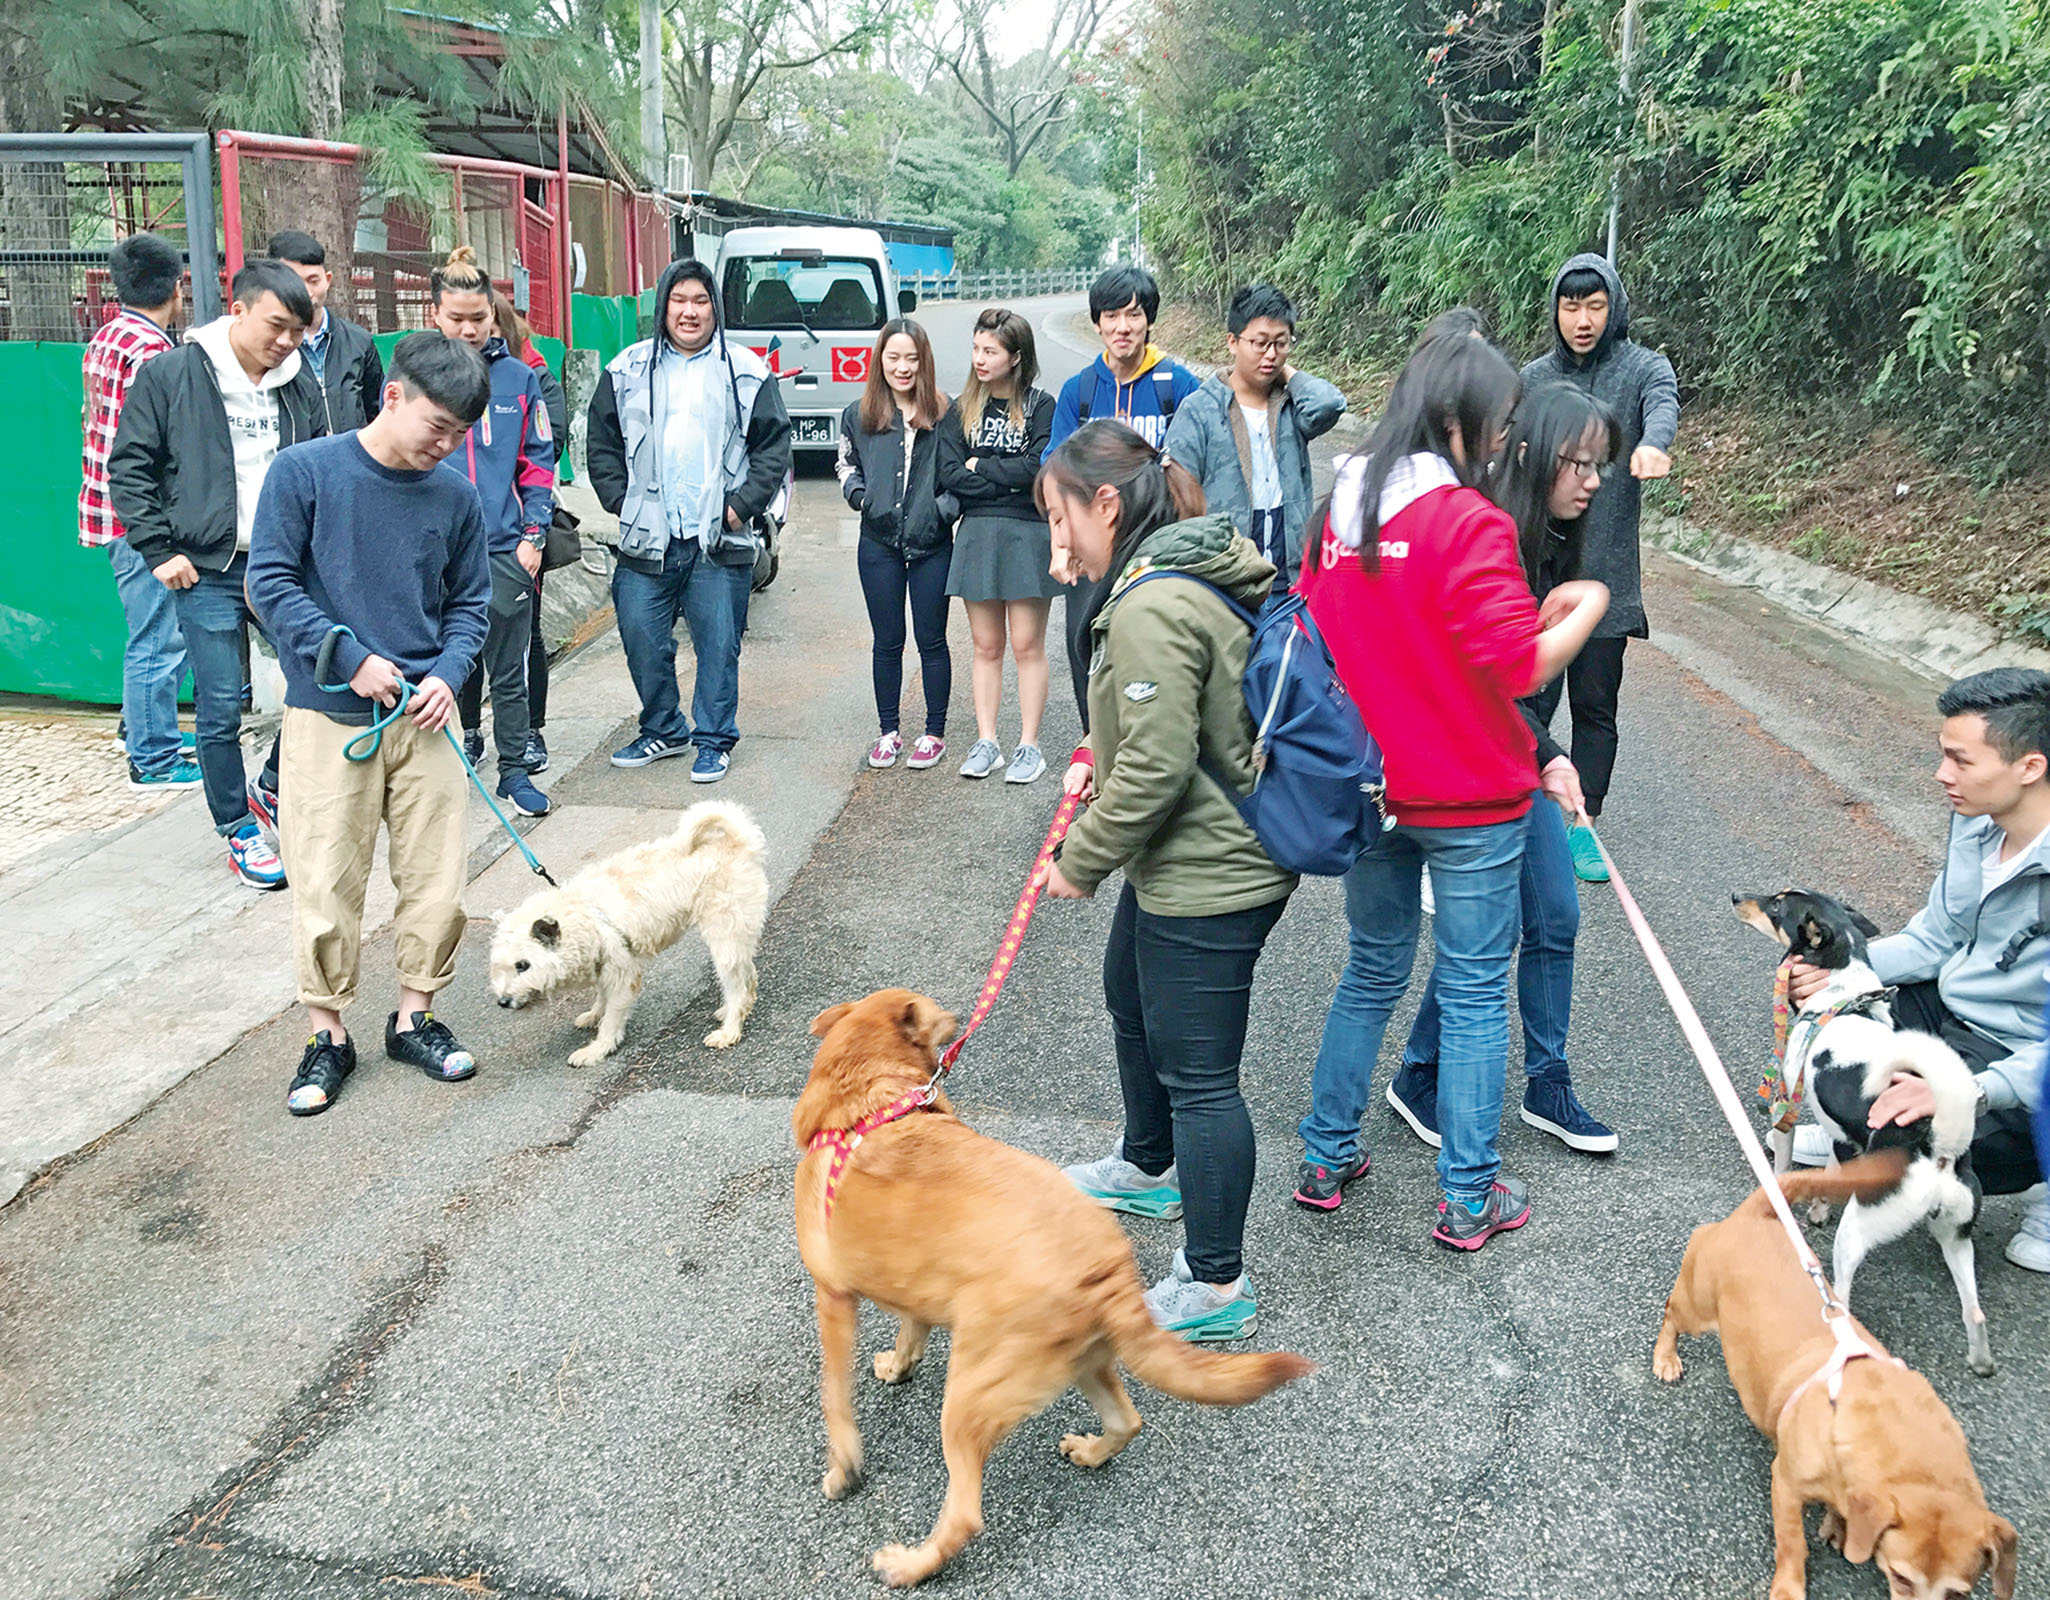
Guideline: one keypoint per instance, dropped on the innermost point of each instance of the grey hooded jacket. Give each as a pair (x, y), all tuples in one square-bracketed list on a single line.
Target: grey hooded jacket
[(1985, 952), (1208, 436), (1639, 386)]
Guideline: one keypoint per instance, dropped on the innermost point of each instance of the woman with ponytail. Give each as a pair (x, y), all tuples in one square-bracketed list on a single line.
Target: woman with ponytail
[(1169, 728)]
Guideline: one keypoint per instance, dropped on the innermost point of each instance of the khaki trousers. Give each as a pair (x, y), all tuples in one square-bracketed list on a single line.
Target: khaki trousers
[(331, 807)]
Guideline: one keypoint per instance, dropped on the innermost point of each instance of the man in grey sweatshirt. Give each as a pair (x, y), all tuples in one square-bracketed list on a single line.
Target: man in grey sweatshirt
[(1592, 347)]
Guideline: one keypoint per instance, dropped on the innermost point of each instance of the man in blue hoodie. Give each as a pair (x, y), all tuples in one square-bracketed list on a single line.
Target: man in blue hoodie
[(1132, 383), (1592, 347)]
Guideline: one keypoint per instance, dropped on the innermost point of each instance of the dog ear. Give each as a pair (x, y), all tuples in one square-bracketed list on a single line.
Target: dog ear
[(1863, 923), (2000, 1547), (1813, 934), (1868, 1516), (547, 932), (925, 1024), (828, 1019)]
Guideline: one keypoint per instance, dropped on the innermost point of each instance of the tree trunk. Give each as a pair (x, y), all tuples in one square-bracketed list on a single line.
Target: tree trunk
[(35, 207), (331, 191)]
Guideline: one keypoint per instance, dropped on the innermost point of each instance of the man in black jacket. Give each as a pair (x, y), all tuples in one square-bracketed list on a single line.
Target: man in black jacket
[(343, 357), (688, 444), (197, 437)]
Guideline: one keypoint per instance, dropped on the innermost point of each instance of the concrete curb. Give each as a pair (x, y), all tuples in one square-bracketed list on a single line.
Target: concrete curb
[(1915, 632)]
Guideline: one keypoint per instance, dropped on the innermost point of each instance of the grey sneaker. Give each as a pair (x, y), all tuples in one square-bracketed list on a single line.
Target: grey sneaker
[(1508, 1206), (1115, 1183), (1199, 1313), (2029, 1249), (983, 758), (1026, 764)]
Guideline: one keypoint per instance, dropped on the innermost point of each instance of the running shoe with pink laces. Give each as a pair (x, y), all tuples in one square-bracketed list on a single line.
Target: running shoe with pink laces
[(926, 752), (886, 750)]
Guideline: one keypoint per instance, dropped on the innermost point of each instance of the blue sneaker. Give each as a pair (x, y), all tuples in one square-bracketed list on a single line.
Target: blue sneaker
[(527, 800), (1588, 865), (1114, 1183), (710, 766), (253, 860), (1413, 1096), (1550, 1104), (648, 749), (1199, 1313), (180, 774)]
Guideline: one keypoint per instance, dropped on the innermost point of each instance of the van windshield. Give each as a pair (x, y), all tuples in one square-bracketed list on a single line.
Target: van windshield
[(840, 294)]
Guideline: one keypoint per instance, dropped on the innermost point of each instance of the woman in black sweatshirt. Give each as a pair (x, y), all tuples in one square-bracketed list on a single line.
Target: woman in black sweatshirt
[(888, 470), (990, 444)]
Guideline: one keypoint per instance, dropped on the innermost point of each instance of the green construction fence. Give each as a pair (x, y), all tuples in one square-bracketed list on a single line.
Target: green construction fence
[(61, 629)]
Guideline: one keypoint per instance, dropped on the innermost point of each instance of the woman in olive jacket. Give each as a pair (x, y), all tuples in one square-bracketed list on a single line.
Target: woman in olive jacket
[(887, 468), (1200, 895)]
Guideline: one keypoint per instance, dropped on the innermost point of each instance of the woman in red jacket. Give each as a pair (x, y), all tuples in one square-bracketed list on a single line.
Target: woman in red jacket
[(1420, 594)]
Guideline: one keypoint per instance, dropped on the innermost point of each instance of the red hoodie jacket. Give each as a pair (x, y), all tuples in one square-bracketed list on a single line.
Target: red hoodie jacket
[(1435, 647)]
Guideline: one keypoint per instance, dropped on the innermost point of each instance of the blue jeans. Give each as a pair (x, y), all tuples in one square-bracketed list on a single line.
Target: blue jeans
[(152, 664), (712, 600), (212, 615), (1544, 962), (1473, 875)]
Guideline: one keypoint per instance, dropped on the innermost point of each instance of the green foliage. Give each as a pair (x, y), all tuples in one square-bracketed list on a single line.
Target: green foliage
[(1838, 198)]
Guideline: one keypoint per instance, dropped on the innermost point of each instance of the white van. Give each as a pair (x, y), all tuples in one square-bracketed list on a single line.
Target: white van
[(810, 302)]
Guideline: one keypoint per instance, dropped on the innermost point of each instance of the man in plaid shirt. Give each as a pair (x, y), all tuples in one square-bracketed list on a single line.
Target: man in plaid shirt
[(148, 273)]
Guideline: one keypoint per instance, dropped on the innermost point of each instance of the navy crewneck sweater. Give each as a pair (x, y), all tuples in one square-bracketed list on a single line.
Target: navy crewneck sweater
[(396, 557)]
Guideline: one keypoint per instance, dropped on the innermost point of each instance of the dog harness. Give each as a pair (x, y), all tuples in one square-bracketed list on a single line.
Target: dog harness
[(1793, 1036), (843, 1142), (1849, 1348)]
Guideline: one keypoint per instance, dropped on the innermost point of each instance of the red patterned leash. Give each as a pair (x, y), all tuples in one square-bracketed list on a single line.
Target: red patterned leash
[(1014, 934)]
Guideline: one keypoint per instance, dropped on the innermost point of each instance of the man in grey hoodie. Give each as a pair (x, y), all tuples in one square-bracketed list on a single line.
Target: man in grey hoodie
[(1592, 347), (1969, 966)]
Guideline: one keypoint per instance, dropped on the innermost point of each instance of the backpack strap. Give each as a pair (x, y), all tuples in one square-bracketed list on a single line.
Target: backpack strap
[(1209, 768), (1163, 389), (1087, 403)]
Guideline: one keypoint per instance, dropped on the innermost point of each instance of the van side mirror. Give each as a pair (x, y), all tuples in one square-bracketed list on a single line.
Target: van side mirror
[(907, 301)]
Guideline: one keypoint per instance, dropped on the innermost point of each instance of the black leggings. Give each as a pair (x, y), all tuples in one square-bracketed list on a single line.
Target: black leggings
[(2003, 1145), (886, 578), (1593, 684), (1178, 989)]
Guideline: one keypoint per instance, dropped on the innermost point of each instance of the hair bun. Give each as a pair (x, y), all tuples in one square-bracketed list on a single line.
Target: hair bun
[(462, 256)]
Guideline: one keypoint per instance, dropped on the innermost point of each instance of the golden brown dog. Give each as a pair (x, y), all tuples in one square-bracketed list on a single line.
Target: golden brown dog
[(946, 1228), (1886, 1458)]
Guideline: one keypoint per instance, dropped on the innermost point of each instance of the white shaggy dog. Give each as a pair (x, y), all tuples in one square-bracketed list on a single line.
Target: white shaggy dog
[(604, 925)]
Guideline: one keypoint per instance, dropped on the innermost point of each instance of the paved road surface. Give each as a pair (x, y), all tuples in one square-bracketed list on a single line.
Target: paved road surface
[(546, 1335)]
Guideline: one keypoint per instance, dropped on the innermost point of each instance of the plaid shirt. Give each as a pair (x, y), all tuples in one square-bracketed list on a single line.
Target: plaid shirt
[(122, 344)]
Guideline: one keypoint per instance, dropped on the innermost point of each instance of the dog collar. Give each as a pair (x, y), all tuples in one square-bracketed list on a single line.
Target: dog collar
[(1849, 1347), (843, 1142)]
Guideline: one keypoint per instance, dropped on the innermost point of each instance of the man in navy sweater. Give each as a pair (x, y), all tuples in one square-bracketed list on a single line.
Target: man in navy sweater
[(361, 539)]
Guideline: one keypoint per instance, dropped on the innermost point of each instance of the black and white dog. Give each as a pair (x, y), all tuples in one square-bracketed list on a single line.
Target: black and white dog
[(1841, 1048)]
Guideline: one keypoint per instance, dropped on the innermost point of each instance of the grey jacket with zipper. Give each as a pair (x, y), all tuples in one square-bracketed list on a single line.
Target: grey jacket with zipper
[(1208, 436), (1639, 386), (1985, 952)]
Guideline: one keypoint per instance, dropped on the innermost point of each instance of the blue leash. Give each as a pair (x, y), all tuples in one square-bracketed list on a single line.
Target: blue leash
[(367, 743)]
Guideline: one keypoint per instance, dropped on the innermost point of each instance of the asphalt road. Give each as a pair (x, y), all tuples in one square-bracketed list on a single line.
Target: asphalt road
[(548, 1336)]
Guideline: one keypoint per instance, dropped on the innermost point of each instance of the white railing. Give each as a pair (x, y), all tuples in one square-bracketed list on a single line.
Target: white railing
[(1011, 283)]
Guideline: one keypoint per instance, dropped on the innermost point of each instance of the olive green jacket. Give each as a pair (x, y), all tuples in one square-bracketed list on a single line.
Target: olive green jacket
[(1163, 689)]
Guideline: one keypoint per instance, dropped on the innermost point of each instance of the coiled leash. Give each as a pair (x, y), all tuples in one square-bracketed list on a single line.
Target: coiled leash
[(367, 743), (843, 1142)]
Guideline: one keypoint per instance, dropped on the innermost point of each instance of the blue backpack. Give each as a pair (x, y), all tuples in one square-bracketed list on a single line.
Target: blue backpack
[(1317, 785)]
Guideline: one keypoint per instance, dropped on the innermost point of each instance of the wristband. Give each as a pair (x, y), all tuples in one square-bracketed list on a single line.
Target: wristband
[(1083, 756)]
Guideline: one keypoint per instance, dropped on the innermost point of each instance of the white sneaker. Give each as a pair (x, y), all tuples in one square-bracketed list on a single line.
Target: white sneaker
[(2029, 1249), (1812, 1146)]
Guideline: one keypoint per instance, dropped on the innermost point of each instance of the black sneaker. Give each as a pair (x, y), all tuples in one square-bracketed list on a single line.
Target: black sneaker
[(429, 1046), (1508, 1206), (473, 745), (1413, 1095), (319, 1078), (1550, 1104), (535, 758), (1321, 1188)]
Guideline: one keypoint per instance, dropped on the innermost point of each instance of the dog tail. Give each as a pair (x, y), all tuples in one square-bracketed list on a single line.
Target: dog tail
[(720, 816), (1869, 1178), (1175, 1367)]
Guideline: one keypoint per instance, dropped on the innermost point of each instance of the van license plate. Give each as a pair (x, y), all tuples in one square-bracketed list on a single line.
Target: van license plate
[(811, 430)]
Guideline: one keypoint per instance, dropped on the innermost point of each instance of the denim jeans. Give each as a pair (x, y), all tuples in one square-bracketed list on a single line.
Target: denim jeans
[(151, 666), (887, 579), (1177, 989), (1473, 876), (712, 600), (1544, 961), (212, 615)]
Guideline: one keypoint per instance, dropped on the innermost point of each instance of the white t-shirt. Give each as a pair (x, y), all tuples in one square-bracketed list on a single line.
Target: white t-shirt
[(1264, 492), (1993, 872)]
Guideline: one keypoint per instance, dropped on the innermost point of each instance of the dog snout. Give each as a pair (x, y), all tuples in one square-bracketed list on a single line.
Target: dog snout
[(505, 1000)]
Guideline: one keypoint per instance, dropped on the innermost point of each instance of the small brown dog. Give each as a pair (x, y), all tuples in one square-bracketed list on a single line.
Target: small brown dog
[(1885, 1457), (946, 1228)]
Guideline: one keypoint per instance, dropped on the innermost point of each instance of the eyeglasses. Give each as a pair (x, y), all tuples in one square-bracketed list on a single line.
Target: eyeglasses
[(1279, 345), (1581, 468)]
